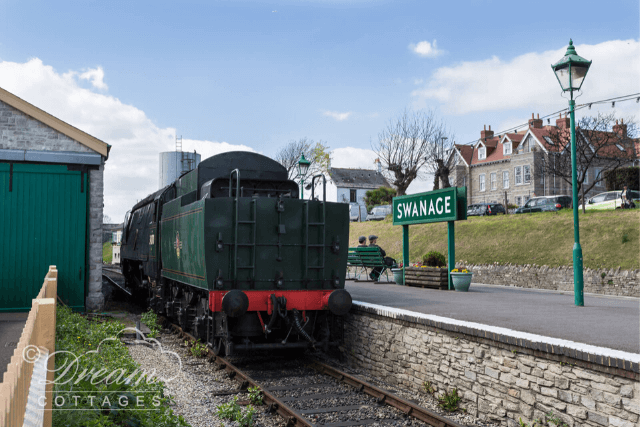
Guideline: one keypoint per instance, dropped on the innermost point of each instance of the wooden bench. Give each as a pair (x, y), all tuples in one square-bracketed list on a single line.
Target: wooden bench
[(354, 261), (366, 259)]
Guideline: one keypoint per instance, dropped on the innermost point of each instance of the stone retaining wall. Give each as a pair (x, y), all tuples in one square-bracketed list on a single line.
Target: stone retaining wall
[(501, 378), (602, 281)]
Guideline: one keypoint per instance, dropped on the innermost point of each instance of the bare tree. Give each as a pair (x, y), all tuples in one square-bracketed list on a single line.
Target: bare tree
[(600, 144), (437, 154), (106, 219), (407, 144), (315, 152)]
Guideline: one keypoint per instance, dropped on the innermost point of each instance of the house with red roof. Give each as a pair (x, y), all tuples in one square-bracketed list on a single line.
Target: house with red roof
[(513, 166)]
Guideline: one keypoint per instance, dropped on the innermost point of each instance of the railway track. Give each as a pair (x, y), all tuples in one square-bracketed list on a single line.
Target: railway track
[(318, 395), (119, 283)]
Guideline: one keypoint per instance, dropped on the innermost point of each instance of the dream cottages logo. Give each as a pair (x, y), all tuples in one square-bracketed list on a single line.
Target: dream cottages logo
[(116, 389)]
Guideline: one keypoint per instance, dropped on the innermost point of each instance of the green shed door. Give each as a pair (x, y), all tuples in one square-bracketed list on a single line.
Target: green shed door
[(43, 218)]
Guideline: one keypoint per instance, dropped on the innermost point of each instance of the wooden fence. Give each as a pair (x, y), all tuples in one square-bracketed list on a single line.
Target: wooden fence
[(22, 390)]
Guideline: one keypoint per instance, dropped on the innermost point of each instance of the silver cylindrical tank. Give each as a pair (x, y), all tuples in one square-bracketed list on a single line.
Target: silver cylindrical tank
[(175, 163)]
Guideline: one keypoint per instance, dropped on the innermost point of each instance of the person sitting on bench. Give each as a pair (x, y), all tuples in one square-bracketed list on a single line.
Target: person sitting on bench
[(375, 273), (363, 242)]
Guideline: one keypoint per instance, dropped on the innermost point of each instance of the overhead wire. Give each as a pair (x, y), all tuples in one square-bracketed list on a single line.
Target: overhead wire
[(578, 107)]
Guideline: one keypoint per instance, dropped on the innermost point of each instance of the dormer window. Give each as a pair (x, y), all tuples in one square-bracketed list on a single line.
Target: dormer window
[(506, 148), (482, 153)]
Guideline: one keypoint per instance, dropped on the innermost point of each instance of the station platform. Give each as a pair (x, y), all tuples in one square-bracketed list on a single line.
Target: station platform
[(11, 325), (604, 321)]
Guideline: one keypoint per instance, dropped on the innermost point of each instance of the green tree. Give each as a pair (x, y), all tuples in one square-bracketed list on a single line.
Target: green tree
[(380, 196)]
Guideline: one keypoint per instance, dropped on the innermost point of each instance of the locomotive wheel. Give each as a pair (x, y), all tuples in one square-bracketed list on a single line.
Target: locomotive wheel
[(218, 347)]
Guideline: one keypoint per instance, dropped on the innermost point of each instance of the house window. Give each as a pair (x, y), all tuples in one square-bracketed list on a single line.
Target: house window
[(506, 148), (481, 182), (586, 177), (518, 173), (505, 179), (597, 172), (518, 201), (526, 199), (494, 181), (352, 196), (482, 153), (527, 174), (464, 181)]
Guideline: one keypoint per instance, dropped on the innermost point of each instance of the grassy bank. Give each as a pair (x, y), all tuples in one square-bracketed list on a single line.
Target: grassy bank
[(609, 239), (105, 387), (107, 252)]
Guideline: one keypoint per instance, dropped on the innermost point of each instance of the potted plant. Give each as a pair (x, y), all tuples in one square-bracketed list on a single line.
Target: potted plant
[(461, 278), (398, 274)]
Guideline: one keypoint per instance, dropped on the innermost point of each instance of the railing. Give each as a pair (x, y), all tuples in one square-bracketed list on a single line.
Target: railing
[(22, 390)]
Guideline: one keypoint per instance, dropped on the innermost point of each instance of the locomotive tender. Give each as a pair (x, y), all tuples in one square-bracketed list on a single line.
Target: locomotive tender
[(232, 253)]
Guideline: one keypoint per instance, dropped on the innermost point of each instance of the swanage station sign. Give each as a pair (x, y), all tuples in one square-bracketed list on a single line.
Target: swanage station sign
[(448, 204)]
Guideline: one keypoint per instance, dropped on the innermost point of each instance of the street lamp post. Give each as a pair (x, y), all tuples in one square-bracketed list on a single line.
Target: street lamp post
[(303, 167), (570, 72)]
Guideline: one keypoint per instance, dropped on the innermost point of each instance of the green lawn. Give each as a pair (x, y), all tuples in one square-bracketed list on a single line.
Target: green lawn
[(609, 239), (107, 252)]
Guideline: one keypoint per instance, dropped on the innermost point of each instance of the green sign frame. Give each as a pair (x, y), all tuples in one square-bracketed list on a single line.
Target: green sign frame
[(447, 204)]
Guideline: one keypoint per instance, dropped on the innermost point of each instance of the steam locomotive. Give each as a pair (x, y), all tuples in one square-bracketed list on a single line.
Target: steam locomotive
[(232, 254)]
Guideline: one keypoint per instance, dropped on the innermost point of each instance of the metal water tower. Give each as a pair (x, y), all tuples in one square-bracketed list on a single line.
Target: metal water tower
[(175, 163)]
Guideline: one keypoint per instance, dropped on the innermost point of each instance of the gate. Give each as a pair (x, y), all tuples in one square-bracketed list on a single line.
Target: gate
[(43, 218)]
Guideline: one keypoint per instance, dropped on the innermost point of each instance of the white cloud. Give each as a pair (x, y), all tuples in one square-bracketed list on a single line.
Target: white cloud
[(426, 49), (336, 115), (96, 77), (131, 173), (527, 81)]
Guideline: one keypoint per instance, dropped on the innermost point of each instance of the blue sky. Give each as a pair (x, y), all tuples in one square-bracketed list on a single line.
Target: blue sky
[(260, 73)]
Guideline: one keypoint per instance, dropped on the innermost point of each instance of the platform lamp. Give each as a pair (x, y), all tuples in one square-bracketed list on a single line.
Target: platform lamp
[(570, 72), (303, 168)]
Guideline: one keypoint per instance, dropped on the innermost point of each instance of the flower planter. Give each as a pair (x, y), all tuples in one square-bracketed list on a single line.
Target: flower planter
[(461, 281), (398, 276), (426, 277)]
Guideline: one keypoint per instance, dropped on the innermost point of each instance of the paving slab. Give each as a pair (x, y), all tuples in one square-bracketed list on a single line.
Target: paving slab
[(611, 322), (11, 325)]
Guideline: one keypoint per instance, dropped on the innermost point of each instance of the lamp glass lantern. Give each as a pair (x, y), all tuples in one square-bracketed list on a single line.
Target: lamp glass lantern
[(303, 166), (571, 69)]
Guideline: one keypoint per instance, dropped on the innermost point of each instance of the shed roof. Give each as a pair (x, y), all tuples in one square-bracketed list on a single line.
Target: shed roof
[(65, 128), (358, 178)]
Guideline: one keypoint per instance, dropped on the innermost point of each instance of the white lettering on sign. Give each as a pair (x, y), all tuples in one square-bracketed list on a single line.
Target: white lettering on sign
[(407, 209), (447, 204), (423, 207), (438, 205), (399, 210), (415, 210), (431, 210), (419, 208)]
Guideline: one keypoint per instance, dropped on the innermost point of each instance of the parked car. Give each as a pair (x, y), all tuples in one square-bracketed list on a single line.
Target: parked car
[(611, 200), (545, 204), (482, 209), (379, 213)]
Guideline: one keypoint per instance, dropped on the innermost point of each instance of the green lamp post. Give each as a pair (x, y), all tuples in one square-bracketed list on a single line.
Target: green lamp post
[(303, 167), (570, 72)]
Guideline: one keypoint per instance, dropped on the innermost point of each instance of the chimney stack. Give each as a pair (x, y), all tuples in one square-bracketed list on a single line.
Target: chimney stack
[(379, 164), (485, 134), (620, 129), (535, 123), (563, 122)]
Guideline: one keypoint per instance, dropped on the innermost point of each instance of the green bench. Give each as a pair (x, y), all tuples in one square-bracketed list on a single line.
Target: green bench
[(366, 259)]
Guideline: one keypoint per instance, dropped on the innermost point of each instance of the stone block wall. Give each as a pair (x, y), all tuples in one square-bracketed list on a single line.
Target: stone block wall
[(499, 381), (601, 281), (19, 131)]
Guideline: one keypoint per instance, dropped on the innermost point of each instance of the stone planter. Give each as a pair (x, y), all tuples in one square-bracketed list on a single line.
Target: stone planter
[(398, 276), (427, 277), (461, 281)]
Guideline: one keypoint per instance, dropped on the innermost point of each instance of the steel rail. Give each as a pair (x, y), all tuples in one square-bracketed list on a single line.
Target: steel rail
[(274, 404), (113, 282), (383, 396), (294, 418)]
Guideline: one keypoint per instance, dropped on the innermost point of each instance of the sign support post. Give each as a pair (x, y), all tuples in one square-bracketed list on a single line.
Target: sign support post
[(405, 250), (451, 249)]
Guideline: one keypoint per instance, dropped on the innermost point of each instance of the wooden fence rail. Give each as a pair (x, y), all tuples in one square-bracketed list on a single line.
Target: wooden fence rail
[(21, 389)]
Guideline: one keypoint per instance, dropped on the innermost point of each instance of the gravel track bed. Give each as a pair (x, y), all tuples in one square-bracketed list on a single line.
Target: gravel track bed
[(194, 384)]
